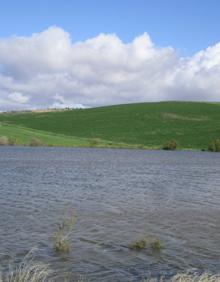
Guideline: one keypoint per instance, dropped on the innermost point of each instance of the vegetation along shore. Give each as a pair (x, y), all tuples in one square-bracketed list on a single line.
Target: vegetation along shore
[(163, 125)]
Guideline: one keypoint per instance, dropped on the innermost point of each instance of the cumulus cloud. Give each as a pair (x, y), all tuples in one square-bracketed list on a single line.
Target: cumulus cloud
[(48, 69)]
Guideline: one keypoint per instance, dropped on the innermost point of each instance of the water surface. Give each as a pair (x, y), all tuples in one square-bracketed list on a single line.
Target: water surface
[(119, 196)]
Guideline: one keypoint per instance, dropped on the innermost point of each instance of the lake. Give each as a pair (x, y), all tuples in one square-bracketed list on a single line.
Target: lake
[(119, 196)]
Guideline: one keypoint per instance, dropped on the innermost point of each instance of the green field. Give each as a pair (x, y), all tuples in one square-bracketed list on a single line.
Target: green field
[(193, 125)]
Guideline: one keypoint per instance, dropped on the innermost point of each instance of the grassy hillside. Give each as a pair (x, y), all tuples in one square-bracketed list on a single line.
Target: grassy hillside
[(23, 136), (192, 124)]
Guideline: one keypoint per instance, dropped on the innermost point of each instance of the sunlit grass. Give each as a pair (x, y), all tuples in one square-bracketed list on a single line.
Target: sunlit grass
[(192, 124), (19, 135)]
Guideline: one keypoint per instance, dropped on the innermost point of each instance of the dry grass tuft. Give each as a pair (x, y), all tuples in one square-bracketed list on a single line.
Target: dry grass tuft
[(28, 271), (196, 278), (32, 271), (205, 277)]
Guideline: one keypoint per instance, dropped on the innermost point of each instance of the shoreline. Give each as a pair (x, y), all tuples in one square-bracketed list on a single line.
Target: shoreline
[(132, 147)]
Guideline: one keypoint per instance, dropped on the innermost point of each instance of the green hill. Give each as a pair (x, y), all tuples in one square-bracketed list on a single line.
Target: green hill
[(193, 125)]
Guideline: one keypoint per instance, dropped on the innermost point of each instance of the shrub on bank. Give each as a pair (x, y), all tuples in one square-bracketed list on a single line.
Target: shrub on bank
[(35, 142), (93, 143), (170, 145), (3, 140), (214, 146), (12, 141)]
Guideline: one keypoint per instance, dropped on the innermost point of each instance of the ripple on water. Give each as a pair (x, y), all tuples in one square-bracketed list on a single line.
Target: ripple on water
[(119, 196)]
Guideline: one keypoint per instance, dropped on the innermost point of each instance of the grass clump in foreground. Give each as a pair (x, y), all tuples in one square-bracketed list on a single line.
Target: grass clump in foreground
[(170, 145), (185, 277), (214, 146), (28, 271), (61, 238), (154, 244)]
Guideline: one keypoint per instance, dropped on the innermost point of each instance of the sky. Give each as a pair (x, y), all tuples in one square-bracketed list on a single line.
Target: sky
[(92, 52)]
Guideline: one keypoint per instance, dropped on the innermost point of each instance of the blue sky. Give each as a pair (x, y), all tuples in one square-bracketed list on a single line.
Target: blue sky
[(187, 25), (101, 52)]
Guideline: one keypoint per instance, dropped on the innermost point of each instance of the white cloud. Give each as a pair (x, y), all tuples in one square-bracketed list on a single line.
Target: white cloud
[(47, 69), (18, 98)]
